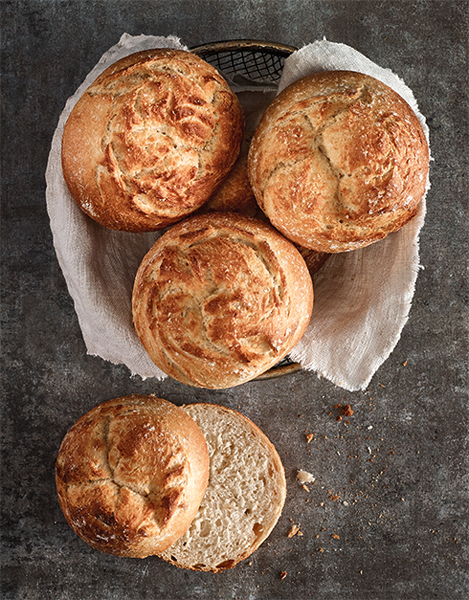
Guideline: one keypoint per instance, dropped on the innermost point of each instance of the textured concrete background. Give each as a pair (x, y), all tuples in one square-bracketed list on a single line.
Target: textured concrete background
[(387, 517)]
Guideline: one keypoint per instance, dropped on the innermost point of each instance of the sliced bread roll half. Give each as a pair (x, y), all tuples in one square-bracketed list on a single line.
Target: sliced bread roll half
[(244, 498)]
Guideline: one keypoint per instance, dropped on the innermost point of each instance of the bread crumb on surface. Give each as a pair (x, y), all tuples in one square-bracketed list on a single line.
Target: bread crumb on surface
[(283, 574), (294, 530), (304, 476), (309, 437), (343, 410)]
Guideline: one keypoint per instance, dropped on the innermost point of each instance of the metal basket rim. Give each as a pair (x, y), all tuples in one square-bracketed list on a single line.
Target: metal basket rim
[(250, 45)]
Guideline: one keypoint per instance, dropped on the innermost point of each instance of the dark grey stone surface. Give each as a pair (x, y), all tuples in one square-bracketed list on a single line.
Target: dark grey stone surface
[(392, 484)]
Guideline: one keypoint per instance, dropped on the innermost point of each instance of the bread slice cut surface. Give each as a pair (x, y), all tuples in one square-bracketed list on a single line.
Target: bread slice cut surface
[(244, 497)]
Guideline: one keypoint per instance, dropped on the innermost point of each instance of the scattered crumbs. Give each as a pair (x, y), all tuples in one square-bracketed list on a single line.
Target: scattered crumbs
[(294, 530), (309, 437), (283, 574), (344, 410), (404, 363), (305, 487), (381, 385), (345, 503), (335, 536), (320, 549), (304, 476), (370, 427)]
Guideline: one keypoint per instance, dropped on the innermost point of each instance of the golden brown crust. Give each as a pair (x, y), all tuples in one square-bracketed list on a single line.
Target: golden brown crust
[(235, 194), (338, 161), (220, 298), (131, 474), (314, 260), (150, 139)]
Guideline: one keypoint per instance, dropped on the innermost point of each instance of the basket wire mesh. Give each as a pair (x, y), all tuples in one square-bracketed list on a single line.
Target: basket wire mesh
[(260, 62)]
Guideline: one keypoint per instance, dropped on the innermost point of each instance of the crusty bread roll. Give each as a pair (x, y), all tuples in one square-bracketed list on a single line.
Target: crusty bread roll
[(244, 497), (235, 194), (150, 139), (221, 298), (131, 474), (314, 260), (339, 160)]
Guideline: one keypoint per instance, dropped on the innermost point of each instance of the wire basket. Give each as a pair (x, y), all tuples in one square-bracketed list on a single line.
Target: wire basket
[(259, 63)]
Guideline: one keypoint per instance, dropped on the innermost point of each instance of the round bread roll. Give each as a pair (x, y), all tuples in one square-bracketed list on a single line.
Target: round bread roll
[(131, 474), (221, 298), (235, 194), (150, 140), (244, 498), (338, 161)]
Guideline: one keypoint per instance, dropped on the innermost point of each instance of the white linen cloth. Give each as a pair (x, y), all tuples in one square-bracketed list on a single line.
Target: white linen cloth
[(362, 298)]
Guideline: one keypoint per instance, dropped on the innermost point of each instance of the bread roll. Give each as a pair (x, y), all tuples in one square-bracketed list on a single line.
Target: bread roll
[(235, 194), (221, 298), (314, 260), (338, 161), (131, 474), (244, 498), (150, 140)]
